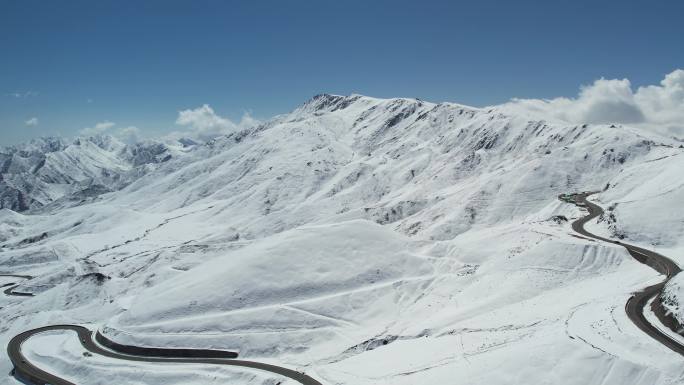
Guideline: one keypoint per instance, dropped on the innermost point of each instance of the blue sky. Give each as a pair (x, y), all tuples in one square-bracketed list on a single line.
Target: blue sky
[(73, 64)]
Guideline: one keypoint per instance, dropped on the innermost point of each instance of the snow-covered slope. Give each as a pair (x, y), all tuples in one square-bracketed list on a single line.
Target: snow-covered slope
[(369, 241)]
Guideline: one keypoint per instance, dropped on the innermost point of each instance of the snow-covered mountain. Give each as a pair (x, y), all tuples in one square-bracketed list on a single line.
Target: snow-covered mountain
[(363, 240), (35, 174)]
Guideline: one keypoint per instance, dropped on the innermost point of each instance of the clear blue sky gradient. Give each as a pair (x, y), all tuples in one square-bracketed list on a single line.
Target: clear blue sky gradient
[(139, 62)]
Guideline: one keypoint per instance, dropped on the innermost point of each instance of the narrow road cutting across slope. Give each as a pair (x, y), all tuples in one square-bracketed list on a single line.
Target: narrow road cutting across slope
[(11, 286), (637, 302), (27, 372)]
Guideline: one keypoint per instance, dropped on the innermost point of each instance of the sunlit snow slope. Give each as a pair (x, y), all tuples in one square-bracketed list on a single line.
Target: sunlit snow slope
[(365, 241)]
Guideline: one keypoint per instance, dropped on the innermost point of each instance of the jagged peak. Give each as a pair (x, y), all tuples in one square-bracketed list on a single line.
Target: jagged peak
[(328, 102), (40, 144), (103, 141)]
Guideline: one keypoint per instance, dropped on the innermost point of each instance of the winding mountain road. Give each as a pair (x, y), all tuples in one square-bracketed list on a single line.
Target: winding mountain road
[(27, 372), (637, 302), (11, 286), (96, 343)]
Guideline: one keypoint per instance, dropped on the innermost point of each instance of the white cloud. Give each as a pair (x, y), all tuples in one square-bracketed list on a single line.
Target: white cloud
[(660, 107), (97, 129), (205, 124), (128, 135), (22, 95), (31, 122), (664, 104)]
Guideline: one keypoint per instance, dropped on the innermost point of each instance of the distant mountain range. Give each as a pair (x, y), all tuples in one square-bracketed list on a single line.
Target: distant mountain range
[(50, 169)]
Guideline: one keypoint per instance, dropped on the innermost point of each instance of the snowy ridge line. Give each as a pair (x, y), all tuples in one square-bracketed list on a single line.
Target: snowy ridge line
[(29, 373), (636, 304)]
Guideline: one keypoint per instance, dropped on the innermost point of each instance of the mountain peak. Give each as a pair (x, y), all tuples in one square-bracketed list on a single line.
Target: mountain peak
[(328, 102)]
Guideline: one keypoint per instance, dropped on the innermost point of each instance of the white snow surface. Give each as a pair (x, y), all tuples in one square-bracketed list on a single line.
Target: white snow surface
[(364, 241)]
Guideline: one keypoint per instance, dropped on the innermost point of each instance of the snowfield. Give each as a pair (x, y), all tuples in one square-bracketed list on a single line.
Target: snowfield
[(363, 241)]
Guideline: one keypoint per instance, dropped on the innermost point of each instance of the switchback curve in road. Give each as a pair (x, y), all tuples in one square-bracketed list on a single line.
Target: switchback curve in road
[(11, 286), (637, 302), (27, 372)]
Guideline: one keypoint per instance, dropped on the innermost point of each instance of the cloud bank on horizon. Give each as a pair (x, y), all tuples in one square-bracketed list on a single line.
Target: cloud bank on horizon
[(201, 123), (128, 135), (658, 107)]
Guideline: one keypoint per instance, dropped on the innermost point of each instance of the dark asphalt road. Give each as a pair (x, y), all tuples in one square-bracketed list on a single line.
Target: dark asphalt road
[(26, 371), (12, 286), (637, 302)]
